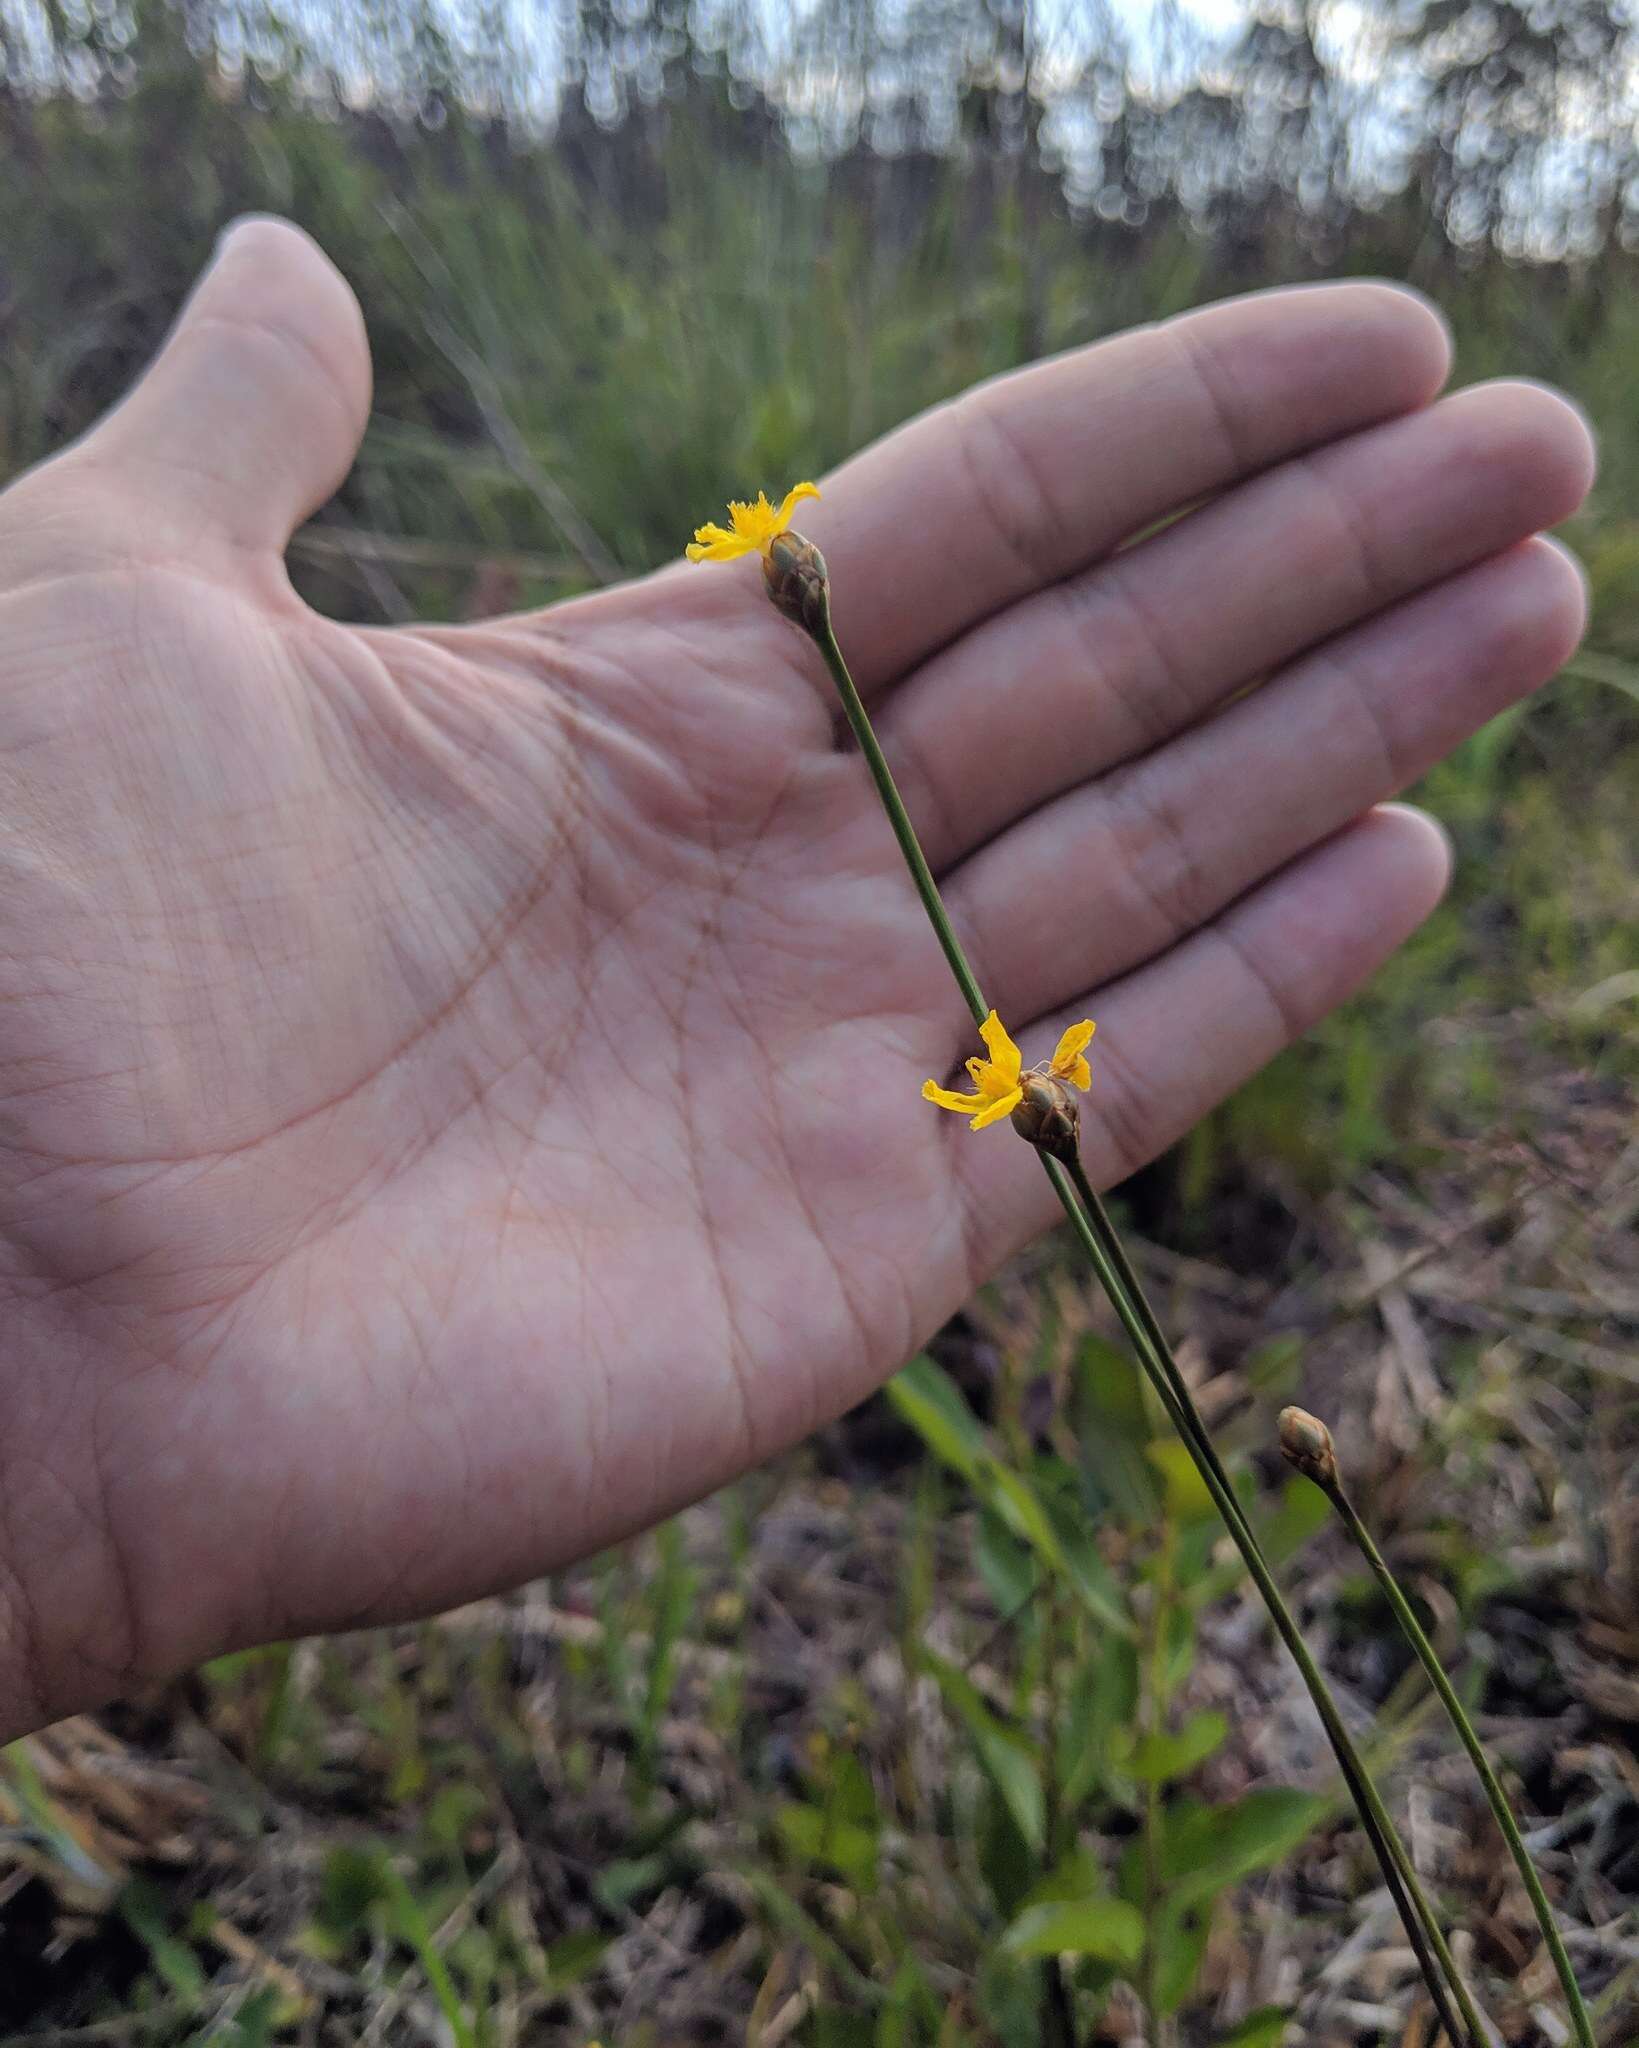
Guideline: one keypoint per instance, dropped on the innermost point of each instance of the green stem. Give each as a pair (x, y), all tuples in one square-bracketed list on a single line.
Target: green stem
[(1417, 1916), (1155, 1357), (1198, 1440), (903, 830), (1412, 1628)]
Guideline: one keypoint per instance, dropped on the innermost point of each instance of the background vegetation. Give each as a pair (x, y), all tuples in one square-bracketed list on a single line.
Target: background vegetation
[(868, 1749)]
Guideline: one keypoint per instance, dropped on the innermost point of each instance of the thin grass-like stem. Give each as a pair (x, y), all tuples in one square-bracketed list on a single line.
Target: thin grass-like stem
[(1155, 1357), (899, 818), (1423, 1931), (1161, 1366), (1413, 1631)]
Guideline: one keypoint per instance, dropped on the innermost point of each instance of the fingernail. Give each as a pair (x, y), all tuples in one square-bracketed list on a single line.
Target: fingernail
[(232, 227)]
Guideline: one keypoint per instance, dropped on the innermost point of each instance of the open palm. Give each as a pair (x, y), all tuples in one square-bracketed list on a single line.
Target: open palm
[(459, 1088)]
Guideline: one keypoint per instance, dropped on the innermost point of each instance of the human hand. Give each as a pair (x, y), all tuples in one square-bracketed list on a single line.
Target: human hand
[(460, 1087)]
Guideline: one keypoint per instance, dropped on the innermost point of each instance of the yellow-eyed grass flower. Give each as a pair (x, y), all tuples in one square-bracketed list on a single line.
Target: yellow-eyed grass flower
[(752, 529), (793, 568), (1039, 1102)]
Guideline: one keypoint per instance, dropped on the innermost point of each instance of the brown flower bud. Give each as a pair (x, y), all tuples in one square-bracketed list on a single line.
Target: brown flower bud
[(1306, 1444), (794, 571), (1049, 1117)]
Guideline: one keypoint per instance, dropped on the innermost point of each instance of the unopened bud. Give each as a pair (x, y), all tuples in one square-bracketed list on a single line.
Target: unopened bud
[(1306, 1444), (1049, 1117), (794, 571)]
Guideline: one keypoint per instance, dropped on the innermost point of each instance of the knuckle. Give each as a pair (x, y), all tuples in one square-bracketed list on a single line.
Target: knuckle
[(1157, 852)]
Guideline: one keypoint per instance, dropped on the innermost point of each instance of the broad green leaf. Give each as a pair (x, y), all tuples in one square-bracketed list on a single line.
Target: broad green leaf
[(1078, 1876), (627, 1878), (352, 1882), (1157, 1758), (1205, 1849), (1102, 1706), (252, 2026), (1019, 1505), (834, 2026), (823, 1839), (932, 1404), (1604, 668), (1180, 1937), (1006, 1564), (1265, 2028), (143, 1907), (1008, 1756), (930, 1401), (1303, 1511), (1271, 1368), (1086, 1570), (95, 1883), (1007, 1863), (1009, 1998), (1186, 1492), (1107, 1928), (912, 2004), (1178, 1642), (574, 1956), (1606, 994), (849, 1793), (1113, 1428)]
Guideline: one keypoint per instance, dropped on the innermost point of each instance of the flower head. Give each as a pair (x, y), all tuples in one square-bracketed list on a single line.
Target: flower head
[(752, 529), (1001, 1086)]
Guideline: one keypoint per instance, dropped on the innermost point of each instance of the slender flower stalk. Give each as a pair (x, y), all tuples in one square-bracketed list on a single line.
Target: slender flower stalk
[(1384, 1837), (1423, 1931), (795, 575), (1307, 1444), (853, 709)]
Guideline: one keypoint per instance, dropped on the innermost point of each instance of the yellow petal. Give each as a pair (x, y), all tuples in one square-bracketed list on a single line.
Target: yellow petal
[(963, 1104), (990, 1080), (1068, 1063), (716, 544), (791, 500), (997, 1110), (1005, 1056)]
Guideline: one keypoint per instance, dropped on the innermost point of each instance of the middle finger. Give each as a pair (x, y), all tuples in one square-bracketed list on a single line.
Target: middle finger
[(1108, 665)]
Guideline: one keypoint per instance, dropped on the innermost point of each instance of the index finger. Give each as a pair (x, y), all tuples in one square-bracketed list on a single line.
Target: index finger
[(1041, 472)]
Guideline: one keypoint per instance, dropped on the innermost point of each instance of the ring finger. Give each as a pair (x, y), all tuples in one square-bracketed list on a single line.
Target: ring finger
[(1111, 664)]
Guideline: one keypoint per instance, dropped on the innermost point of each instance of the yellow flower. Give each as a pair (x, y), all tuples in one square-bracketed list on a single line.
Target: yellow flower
[(755, 528), (999, 1080)]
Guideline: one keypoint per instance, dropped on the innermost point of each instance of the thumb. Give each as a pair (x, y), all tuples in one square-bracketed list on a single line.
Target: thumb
[(252, 412)]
